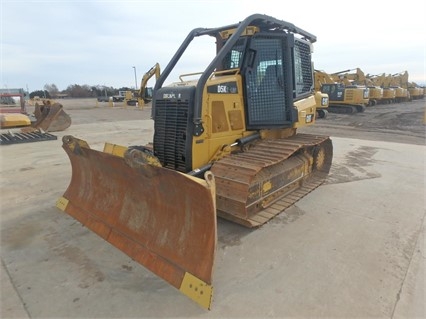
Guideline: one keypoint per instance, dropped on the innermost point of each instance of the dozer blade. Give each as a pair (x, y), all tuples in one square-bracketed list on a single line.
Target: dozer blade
[(163, 219), (51, 118)]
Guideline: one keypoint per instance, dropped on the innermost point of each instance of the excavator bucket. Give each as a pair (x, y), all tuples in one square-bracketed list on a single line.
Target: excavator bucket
[(161, 218), (51, 118)]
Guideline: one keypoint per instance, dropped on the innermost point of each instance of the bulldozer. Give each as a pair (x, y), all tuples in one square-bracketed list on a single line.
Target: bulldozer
[(224, 145), (343, 98)]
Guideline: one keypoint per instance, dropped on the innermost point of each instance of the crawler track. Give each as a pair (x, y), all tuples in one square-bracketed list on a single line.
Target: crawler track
[(254, 186)]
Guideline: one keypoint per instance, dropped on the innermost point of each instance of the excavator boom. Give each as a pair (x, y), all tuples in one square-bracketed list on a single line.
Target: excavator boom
[(155, 70)]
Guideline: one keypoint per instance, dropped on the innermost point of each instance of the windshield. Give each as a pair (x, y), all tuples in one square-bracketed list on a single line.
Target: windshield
[(234, 58)]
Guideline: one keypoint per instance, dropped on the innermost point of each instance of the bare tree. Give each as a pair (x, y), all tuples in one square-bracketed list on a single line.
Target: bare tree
[(52, 89)]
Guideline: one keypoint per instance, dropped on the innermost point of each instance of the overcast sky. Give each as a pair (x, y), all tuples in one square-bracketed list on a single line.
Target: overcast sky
[(98, 42)]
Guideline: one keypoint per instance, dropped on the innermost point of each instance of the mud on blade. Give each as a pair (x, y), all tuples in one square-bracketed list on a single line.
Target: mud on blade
[(161, 218)]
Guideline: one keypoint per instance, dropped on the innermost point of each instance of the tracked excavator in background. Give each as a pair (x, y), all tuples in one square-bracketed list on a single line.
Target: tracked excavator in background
[(357, 77), (144, 95), (415, 92), (381, 80), (401, 94), (388, 81), (342, 98), (224, 145)]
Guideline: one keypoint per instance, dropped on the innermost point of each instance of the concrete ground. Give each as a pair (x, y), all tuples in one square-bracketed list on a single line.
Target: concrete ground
[(354, 247)]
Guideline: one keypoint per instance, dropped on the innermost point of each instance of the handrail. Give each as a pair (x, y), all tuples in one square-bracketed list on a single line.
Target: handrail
[(264, 22)]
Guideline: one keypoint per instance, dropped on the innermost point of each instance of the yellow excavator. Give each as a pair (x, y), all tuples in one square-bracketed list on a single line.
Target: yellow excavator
[(342, 98), (415, 92), (382, 81), (144, 95), (389, 81), (223, 145), (357, 77)]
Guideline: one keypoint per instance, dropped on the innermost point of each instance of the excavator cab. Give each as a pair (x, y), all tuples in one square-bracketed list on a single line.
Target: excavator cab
[(224, 144), (335, 91)]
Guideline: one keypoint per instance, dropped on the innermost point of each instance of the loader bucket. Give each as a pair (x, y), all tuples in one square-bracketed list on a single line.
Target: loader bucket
[(51, 118), (163, 219)]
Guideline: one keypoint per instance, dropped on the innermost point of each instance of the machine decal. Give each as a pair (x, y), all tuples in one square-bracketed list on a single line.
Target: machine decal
[(223, 88), (171, 96)]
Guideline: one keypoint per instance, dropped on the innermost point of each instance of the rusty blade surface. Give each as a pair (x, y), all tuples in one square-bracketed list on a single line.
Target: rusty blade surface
[(51, 118), (161, 218)]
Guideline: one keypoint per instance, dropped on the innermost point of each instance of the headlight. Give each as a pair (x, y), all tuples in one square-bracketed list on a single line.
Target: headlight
[(309, 118), (324, 101), (366, 93)]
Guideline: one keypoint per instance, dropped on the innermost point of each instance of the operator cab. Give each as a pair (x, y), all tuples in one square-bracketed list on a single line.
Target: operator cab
[(336, 91), (276, 70)]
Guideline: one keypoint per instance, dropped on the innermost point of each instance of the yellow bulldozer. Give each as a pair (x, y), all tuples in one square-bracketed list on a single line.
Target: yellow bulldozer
[(223, 145)]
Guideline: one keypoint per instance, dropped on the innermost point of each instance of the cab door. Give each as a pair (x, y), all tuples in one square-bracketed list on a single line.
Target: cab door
[(265, 84)]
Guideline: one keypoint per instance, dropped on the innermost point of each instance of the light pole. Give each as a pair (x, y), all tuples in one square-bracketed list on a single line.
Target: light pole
[(136, 80)]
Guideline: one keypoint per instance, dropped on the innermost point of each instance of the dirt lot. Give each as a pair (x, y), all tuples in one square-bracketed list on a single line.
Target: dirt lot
[(354, 247), (399, 122)]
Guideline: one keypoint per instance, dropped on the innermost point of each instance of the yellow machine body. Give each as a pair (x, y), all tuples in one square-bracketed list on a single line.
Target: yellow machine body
[(225, 144), (10, 120), (344, 97)]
